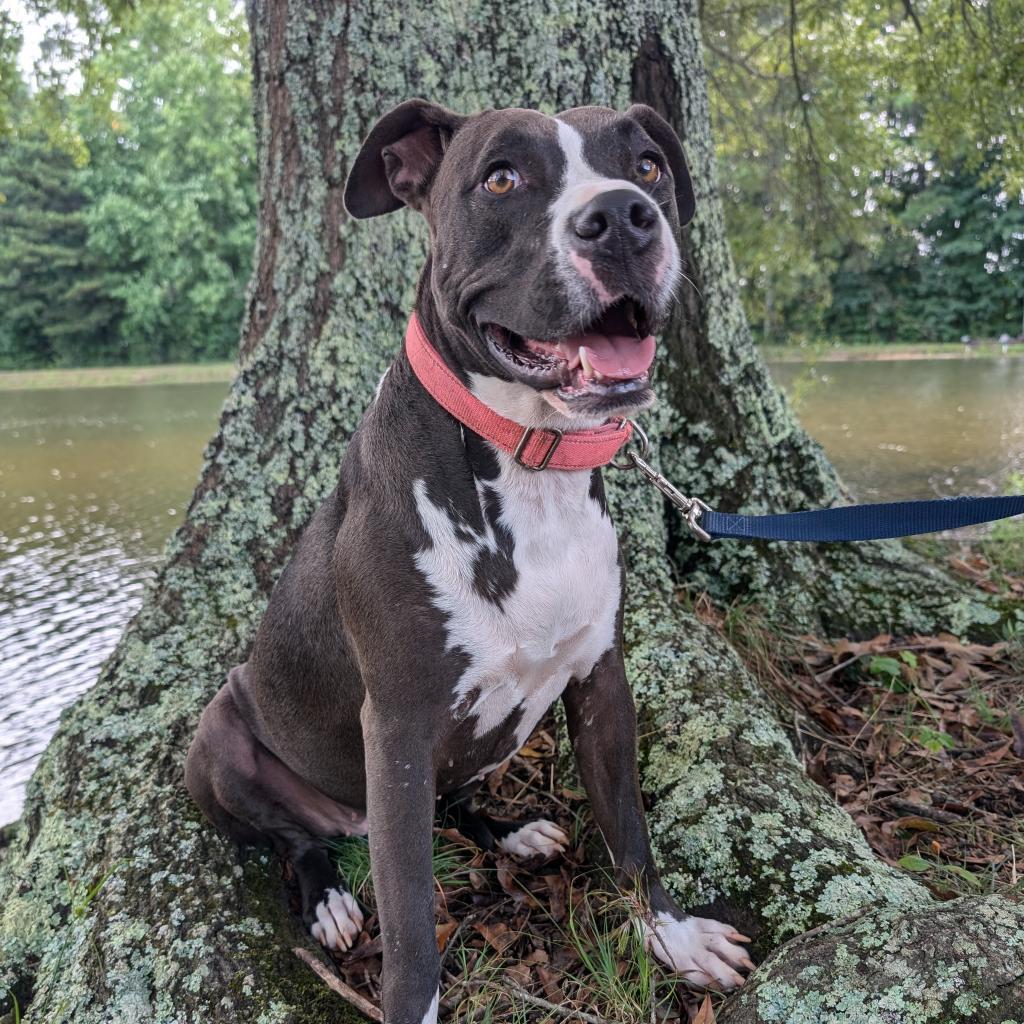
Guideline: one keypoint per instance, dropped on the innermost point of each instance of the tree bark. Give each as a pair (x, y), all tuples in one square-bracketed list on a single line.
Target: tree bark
[(120, 904)]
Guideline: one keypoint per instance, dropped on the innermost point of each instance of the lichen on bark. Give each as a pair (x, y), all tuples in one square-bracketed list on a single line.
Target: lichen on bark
[(960, 962), (181, 928)]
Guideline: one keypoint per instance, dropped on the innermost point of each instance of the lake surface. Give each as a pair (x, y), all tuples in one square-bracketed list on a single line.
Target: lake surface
[(915, 428), (93, 481)]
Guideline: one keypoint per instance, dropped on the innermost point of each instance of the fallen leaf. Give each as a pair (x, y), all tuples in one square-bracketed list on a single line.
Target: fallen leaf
[(549, 982), (500, 936), (706, 1013), (444, 932), (914, 823), (518, 973), (556, 896), (992, 757)]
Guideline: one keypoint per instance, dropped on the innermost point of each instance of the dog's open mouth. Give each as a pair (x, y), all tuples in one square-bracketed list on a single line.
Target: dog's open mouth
[(611, 356)]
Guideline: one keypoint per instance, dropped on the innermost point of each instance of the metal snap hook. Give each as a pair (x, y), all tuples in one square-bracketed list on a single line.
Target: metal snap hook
[(691, 508), (631, 453)]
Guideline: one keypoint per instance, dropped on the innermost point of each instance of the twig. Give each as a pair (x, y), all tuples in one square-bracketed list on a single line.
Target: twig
[(562, 1011), (836, 923), (350, 995), (1018, 733), (921, 811), (912, 14), (454, 937), (828, 673)]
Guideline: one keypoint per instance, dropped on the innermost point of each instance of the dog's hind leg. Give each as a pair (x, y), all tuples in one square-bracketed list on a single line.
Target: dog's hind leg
[(537, 837), (252, 796)]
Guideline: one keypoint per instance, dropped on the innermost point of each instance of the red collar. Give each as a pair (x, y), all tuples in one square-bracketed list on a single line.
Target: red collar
[(532, 447)]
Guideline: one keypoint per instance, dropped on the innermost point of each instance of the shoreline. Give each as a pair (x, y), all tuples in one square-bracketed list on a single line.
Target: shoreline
[(884, 353), (117, 376), (224, 372)]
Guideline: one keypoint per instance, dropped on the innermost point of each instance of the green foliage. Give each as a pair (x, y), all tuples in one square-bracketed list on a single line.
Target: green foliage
[(55, 304), (944, 875), (933, 740), (154, 160), (872, 164), (351, 855), (11, 86), (172, 180), (949, 261)]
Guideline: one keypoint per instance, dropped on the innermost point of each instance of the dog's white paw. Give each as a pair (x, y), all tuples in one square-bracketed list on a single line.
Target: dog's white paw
[(706, 953), (535, 839), (338, 920)]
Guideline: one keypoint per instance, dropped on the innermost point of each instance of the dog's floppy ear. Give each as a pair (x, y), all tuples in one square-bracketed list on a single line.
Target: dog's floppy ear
[(397, 162), (661, 132)]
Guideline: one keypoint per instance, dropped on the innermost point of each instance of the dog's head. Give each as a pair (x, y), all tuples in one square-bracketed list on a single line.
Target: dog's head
[(554, 257)]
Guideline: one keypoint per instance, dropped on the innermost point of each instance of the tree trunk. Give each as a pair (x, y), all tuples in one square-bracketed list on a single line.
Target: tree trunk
[(120, 904)]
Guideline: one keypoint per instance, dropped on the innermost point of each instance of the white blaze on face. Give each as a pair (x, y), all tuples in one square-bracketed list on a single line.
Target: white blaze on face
[(580, 184)]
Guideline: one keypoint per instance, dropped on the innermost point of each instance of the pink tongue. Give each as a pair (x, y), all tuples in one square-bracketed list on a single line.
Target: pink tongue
[(617, 356)]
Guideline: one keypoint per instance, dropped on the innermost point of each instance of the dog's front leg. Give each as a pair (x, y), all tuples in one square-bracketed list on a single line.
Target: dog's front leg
[(602, 727), (400, 787)]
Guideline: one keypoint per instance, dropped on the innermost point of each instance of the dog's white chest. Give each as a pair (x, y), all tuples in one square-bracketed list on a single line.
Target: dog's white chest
[(540, 625)]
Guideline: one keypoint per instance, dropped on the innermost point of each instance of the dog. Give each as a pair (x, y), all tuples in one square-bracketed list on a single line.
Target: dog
[(465, 573)]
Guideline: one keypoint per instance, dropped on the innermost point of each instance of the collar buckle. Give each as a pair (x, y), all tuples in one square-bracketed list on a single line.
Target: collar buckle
[(556, 440)]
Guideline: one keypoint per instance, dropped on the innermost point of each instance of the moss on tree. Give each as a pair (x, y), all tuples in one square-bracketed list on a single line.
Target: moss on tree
[(182, 929)]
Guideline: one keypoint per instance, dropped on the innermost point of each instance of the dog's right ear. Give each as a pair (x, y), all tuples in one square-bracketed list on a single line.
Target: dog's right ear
[(399, 158)]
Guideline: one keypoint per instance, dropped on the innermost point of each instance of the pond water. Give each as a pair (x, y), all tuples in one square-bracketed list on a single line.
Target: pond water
[(915, 428), (93, 481)]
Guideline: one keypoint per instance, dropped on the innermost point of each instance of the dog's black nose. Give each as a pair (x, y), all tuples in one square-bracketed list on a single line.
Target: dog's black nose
[(618, 213)]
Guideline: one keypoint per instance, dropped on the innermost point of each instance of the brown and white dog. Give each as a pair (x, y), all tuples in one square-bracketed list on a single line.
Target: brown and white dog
[(446, 594)]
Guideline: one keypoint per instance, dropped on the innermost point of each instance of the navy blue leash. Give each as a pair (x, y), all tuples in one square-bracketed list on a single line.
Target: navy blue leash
[(864, 522), (846, 523)]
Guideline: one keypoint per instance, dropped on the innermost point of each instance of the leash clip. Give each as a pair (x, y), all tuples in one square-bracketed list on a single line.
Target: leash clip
[(691, 508)]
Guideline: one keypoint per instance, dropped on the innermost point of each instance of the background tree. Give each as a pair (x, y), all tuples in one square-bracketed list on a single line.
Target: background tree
[(10, 78), (56, 303), (948, 234), (172, 178), (824, 114), (156, 153), (119, 903)]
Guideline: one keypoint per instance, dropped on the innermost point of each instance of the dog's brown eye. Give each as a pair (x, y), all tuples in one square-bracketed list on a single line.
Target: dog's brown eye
[(648, 169), (502, 180)]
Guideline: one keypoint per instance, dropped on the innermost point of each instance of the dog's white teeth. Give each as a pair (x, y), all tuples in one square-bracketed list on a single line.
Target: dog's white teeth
[(588, 370)]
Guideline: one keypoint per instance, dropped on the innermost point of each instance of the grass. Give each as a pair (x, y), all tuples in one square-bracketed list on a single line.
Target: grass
[(837, 352), (352, 856), (117, 376), (1003, 546), (594, 963), (536, 943)]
